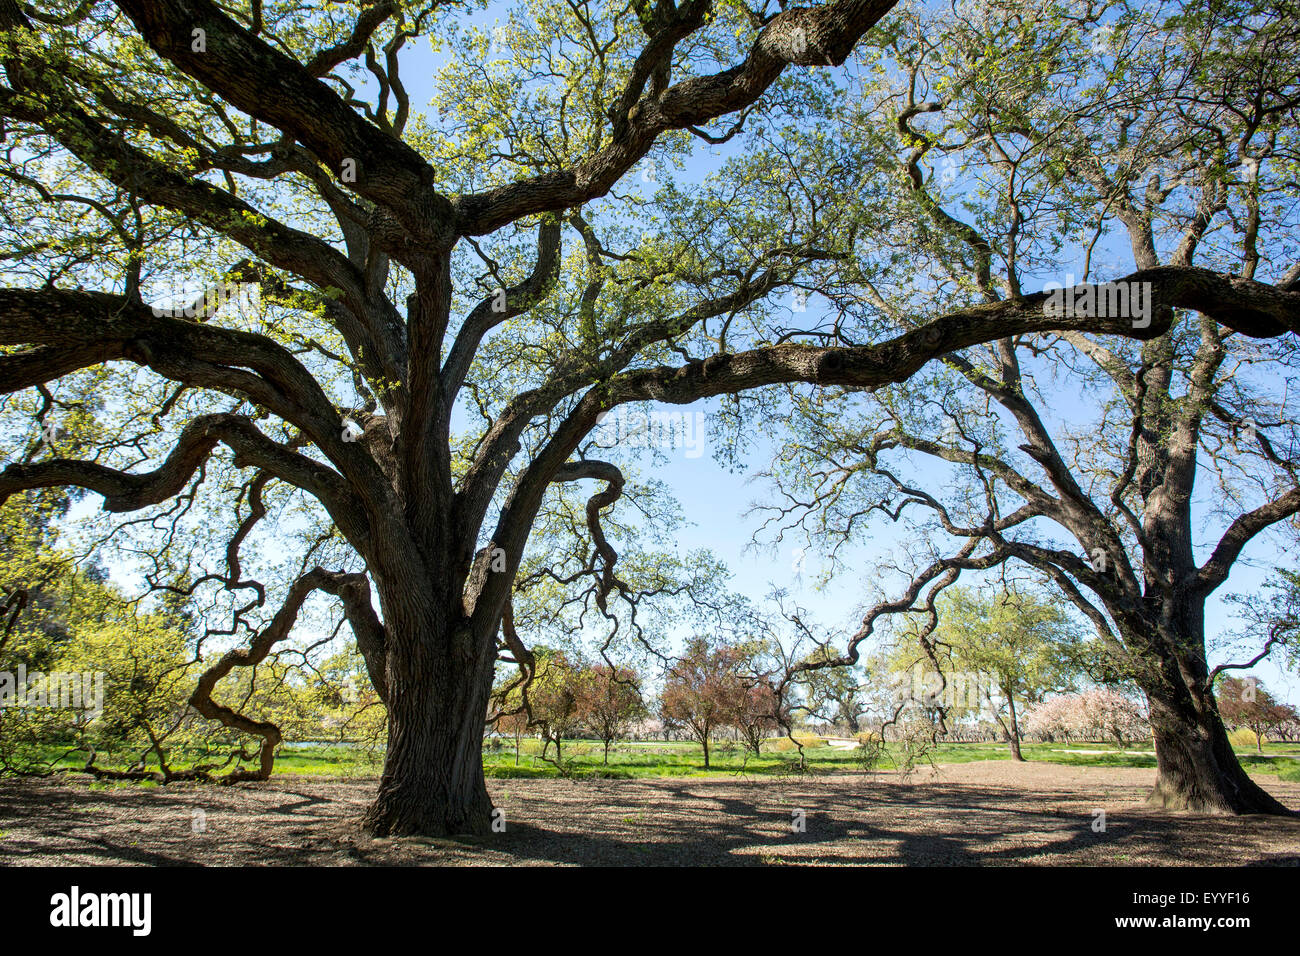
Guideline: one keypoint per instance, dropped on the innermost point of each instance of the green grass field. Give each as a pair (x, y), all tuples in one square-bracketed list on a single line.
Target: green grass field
[(681, 759), (584, 758)]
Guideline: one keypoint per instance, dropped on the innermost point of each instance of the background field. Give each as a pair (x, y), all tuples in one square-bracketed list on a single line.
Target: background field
[(656, 758)]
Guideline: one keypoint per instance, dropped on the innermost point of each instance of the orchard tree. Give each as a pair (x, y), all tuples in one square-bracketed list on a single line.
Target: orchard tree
[(611, 702), (1244, 702), (1040, 145), (1115, 714), (834, 695), (131, 670), (507, 712), (753, 707), (702, 690), (755, 711), (556, 698), (1020, 644), (247, 278), (1087, 715)]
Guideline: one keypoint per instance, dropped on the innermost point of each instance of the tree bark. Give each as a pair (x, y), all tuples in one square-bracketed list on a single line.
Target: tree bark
[(1196, 768), (1014, 733), (433, 783), (1013, 743)]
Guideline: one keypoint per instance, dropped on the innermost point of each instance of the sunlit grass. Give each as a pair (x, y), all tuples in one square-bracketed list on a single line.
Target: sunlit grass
[(656, 758)]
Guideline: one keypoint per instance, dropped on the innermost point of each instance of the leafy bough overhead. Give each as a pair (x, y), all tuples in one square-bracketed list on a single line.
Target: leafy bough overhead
[(1128, 477)]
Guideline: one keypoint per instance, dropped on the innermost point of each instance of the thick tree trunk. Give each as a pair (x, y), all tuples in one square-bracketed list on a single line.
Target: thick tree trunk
[(433, 783), (705, 740), (1196, 768), (433, 779)]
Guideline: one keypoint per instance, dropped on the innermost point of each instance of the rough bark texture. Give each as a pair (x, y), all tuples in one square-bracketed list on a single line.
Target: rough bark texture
[(1196, 768), (433, 782)]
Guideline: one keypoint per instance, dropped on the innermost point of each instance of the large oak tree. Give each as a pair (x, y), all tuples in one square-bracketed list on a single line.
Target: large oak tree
[(449, 302), (1130, 477)]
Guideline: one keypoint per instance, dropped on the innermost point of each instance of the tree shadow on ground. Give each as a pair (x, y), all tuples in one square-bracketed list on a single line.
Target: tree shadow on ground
[(892, 824), (661, 822)]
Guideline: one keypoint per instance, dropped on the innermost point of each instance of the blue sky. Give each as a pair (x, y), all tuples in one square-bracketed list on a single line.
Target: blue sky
[(714, 502)]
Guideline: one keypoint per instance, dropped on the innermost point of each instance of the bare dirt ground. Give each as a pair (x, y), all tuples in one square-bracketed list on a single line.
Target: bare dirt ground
[(989, 813)]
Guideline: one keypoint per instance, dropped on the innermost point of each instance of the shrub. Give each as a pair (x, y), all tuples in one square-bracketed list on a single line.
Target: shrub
[(870, 751), (1244, 737)]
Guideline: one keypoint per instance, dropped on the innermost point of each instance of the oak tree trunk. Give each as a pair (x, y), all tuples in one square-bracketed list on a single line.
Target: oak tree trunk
[(438, 686), (1196, 768)]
